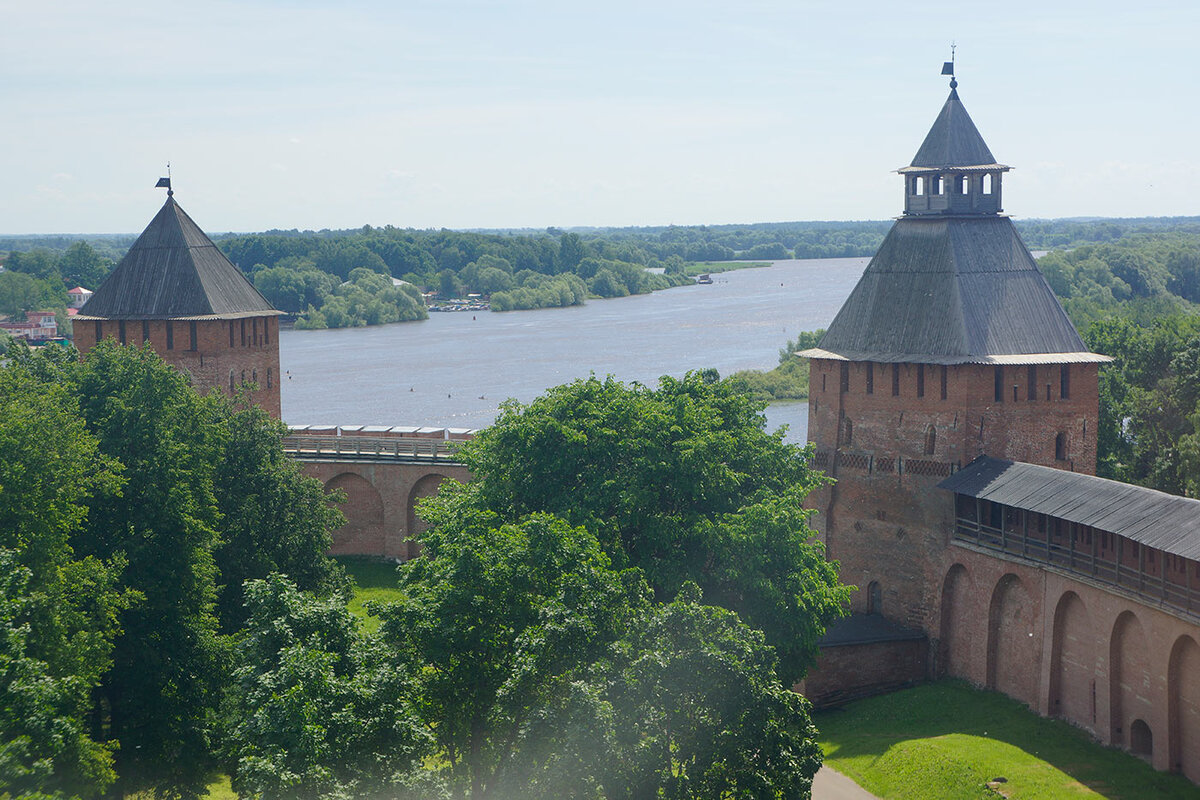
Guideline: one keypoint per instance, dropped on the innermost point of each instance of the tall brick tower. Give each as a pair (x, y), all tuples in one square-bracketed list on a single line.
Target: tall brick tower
[(175, 290), (951, 345)]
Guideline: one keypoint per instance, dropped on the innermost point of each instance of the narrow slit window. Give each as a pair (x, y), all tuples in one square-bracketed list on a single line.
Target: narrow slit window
[(145, 330), (170, 335), (870, 377), (99, 331), (845, 377), (121, 331), (193, 338), (895, 380), (920, 380), (999, 392), (1064, 382), (945, 369), (231, 343), (1031, 393), (243, 333), (930, 440)]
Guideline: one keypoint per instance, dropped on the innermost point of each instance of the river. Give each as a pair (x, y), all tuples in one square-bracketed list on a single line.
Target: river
[(454, 369)]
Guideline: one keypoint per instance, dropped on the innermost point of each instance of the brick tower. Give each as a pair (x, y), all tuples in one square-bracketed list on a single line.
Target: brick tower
[(175, 290), (951, 345)]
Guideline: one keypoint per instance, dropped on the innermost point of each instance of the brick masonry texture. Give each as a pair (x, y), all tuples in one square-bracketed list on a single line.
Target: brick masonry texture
[(213, 362), (1126, 671)]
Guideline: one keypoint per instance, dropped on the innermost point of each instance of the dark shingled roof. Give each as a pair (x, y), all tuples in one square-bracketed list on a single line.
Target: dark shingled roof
[(953, 141), (174, 270), (1163, 521), (951, 290), (866, 629)]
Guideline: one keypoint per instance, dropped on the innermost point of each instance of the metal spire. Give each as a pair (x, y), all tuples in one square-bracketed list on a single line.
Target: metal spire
[(165, 183), (948, 68)]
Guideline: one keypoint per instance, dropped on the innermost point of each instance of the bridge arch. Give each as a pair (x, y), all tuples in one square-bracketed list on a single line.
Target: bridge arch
[(1073, 662), (1183, 707), (1013, 648), (1129, 677), (364, 528)]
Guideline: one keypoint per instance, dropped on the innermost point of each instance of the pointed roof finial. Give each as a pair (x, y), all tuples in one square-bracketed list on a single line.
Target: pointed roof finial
[(948, 68), (165, 183)]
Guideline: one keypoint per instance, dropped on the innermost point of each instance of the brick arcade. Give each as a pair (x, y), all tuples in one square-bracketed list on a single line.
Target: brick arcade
[(957, 409)]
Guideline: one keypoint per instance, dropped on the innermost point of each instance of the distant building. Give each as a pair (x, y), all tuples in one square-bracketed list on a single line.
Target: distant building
[(39, 326), (78, 296), (177, 292)]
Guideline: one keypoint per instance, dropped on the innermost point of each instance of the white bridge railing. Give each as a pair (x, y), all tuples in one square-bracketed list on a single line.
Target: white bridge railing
[(304, 446)]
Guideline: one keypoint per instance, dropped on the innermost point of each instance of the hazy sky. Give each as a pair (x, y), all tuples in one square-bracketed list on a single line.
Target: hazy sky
[(530, 114)]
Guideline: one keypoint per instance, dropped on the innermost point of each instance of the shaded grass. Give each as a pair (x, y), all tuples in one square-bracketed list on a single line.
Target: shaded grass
[(373, 580), (947, 740)]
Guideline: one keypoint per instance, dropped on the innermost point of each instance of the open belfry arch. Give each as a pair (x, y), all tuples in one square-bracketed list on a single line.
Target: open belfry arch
[(176, 291), (957, 408)]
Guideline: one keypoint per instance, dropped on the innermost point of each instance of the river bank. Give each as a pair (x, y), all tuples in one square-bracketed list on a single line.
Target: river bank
[(455, 369)]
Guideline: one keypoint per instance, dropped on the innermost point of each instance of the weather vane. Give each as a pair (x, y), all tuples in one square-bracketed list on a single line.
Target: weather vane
[(165, 183), (948, 68)]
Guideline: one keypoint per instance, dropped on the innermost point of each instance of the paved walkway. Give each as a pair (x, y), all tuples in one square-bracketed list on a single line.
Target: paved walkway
[(831, 785)]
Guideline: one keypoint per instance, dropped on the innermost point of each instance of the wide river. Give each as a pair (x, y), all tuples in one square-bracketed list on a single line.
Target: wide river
[(454, 369)]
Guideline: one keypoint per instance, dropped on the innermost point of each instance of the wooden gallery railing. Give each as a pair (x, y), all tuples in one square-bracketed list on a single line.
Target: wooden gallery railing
[(1081, 550), (370, 447)]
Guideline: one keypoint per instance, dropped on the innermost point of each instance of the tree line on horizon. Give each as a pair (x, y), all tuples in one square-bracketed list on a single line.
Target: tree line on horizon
[(308, 273)]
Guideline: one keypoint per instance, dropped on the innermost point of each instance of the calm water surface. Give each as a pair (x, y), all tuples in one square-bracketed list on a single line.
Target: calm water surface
[(454, 369)]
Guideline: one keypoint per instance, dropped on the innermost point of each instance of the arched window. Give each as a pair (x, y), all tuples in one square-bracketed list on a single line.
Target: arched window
[(846, 433), (987, 183), (918, 185), (964, 184), (254, 376), (930, 440), (874, 598), (1060, 446)]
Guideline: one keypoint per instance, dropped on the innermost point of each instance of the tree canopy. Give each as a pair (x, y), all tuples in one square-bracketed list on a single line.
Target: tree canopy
[(683, 482)]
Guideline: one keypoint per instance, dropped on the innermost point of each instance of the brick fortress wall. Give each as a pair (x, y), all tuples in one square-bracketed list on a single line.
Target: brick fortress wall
[(890, 433), (224, 354)]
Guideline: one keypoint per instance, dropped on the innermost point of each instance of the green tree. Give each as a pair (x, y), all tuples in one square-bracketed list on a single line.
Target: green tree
[(321, 710), (682, 481), (58, 611), (20, 293), (39, 262), (274, 519), (700, 711), (169, 664), (500, 621), (45, 749), (82, 266)]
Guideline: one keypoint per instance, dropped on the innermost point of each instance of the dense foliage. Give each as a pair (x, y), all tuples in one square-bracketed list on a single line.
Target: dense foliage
[(789, 380), (1135, 300), (127, 502), (682, 482)]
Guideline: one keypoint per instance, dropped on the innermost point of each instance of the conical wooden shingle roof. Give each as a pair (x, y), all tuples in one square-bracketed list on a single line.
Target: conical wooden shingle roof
[(174, 271), (953, 141), (953, 288)]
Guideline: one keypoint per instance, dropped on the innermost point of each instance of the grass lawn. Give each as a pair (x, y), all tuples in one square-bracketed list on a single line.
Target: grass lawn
[(946, 740), (373, 579)]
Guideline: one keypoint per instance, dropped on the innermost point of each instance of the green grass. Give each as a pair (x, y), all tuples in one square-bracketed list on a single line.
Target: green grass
[(374, 580), (946, 740)]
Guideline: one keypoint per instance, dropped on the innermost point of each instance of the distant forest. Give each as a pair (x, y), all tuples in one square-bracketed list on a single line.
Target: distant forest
[(333, 278)]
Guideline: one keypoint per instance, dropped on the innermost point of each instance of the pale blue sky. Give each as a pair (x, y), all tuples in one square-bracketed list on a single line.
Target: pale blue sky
[(529, 114)]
